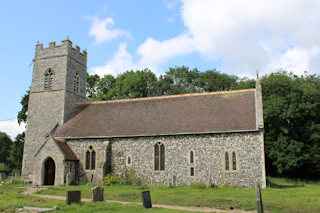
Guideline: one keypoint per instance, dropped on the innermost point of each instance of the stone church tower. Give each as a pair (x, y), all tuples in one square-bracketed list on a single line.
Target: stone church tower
[(58, 83)]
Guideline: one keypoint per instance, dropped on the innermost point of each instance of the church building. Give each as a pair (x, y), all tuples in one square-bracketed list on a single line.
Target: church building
[(216, 136)]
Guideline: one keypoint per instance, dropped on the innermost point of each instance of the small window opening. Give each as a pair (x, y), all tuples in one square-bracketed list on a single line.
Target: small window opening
[(129, 160), (191, 171), (191, 157), (48, 79)]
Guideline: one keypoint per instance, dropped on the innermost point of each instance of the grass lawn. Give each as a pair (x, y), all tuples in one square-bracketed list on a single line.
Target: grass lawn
[(281, 196), (9, 199)]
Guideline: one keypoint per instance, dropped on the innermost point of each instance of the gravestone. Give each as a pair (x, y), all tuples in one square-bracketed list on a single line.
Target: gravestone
[(97, 194), (3, 175), (69, 179), (73, 197), (146, 199), (11, 180)]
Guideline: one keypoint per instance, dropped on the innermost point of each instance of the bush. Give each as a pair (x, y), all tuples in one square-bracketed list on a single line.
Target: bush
[(130, 178), (4, 168), (111, 179)]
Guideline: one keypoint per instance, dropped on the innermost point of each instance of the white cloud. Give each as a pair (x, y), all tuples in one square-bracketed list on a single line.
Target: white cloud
[(297, 60), (119, 63), (101, 30), (154, 52), (12, 128), (250, 34), (244, 35)]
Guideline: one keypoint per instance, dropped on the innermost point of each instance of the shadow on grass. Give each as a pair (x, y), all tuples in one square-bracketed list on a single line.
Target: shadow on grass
[(281, 185)]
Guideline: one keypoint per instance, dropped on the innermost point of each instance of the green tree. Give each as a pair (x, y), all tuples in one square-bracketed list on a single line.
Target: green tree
[(5, 145), (213, 80), (16, 152), (22, 114), (292, 124), (104, 88), (92, 84), (134, 84), (178, 80)]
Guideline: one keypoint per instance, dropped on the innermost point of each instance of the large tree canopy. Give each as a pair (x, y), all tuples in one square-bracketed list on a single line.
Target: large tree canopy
[(292, 124)]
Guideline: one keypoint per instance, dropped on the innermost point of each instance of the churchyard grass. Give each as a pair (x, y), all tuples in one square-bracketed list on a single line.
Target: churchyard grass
[(281, 195), (10, 200)]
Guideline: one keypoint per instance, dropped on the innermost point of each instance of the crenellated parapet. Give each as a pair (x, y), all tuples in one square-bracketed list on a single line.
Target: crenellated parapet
[(65, 49)]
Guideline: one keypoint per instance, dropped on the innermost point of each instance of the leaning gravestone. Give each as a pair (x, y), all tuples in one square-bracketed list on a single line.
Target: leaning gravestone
[(3, 175), (146, 199), (73, 197), (97, 194)]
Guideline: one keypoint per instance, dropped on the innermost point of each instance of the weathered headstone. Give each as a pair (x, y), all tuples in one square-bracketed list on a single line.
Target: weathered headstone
[(3, 175), (69, 179), (11, 180), (97, 193), (73, 197), (259, 198), (146, 199)]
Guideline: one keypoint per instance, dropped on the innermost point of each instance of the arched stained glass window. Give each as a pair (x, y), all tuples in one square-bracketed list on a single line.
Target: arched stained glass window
[(48, 79), (159, 157), (234, 161), (226, 158), (93, 160), (90, 159)]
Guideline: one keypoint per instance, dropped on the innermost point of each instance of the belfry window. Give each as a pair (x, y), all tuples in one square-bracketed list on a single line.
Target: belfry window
[(159, 157), (48, 79), (76, 79), (90, 159)]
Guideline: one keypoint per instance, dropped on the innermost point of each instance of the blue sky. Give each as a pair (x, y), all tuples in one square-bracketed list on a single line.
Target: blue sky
[(235, 37)]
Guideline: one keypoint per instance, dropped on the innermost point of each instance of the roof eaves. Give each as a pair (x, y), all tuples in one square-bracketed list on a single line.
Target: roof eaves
[(150, 135)]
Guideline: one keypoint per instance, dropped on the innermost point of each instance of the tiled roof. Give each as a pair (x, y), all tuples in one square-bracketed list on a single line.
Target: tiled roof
[(66, 150), (199, 113)]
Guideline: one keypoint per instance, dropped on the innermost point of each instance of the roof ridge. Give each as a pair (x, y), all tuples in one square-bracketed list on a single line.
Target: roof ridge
[(166, 96)]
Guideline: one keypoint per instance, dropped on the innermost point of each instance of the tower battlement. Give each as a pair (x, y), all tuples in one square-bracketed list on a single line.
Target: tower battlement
[(64, 49)]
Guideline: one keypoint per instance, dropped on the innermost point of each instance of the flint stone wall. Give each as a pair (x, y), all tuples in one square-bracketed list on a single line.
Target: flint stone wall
[(79, 148), (208, 154), (50, 149)]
